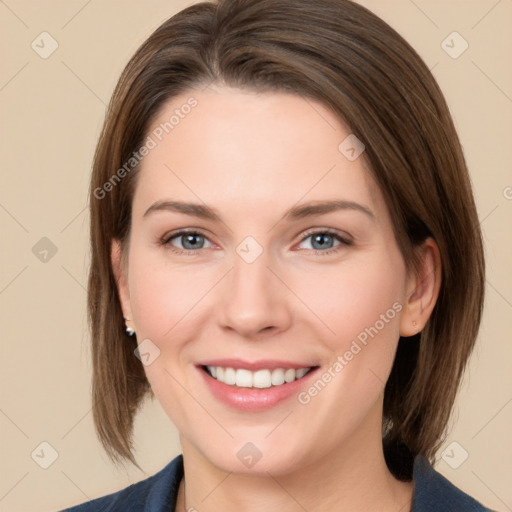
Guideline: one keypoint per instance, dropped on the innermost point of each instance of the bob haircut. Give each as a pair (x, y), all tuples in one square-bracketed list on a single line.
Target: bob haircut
[(341, 54)]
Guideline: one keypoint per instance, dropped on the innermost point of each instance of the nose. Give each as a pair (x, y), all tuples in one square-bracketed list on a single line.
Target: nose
[(255, 300)]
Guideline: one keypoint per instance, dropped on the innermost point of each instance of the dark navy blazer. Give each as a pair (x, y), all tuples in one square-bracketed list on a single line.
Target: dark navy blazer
[(158, 493)]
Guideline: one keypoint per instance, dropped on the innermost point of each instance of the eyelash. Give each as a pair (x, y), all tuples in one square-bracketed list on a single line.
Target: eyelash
[(165, 241)]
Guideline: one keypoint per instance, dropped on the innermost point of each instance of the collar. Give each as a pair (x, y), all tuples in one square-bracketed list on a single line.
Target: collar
[(434, 493)]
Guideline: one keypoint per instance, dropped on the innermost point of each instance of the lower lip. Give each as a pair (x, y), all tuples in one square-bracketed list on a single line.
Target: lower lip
[(254, 399)]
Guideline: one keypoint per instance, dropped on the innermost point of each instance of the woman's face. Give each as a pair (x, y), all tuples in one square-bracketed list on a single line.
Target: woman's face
[(264, 282)]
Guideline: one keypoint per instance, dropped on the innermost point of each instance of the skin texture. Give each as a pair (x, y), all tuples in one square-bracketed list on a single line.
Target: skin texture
[(251, 157)]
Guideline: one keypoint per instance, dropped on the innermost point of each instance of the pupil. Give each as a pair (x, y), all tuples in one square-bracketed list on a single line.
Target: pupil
[(190, 239), (321, 238)]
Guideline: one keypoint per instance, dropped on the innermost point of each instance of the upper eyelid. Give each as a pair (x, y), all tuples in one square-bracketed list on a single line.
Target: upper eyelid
[(183, 232)]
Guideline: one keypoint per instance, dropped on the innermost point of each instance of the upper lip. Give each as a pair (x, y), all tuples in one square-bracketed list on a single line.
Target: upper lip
[(260, 364)]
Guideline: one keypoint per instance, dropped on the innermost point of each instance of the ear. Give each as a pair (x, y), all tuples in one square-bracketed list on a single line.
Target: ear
[(422, 290), (119, 270)]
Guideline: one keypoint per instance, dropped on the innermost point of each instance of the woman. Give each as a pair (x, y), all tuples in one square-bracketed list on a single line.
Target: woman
[(286, 253)]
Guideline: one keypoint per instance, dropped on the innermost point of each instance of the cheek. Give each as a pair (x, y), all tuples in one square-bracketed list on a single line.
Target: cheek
[(162, 300), (353, 300), (169, 306), (161, 295), (362, 305)]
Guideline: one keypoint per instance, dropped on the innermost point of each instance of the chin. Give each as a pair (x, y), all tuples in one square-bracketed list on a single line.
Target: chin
[(256, 459)]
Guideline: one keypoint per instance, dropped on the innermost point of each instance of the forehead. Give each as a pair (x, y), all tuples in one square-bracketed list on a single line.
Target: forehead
[(225, 146)]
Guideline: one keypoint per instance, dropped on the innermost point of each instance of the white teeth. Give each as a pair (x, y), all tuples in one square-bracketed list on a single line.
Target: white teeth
[(277, 377), (301, 372), (243, 378), (259, 379), (289, 375), (229, 376)]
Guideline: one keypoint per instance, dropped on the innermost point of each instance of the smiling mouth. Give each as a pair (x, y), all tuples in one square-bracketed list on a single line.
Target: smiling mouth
[(260, 379)]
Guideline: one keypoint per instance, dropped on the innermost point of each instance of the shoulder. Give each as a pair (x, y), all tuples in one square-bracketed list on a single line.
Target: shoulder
[(156, 493), (434, 493)]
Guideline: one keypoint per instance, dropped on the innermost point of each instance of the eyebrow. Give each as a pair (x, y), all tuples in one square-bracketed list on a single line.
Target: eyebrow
[(295, 213)]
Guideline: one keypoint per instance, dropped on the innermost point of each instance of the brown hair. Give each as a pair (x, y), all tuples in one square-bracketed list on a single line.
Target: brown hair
[(341, 54)]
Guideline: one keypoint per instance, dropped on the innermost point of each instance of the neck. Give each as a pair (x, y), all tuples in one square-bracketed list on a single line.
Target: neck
[(353, 477)]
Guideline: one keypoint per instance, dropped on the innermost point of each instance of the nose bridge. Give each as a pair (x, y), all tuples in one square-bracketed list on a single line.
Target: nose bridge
[(255, 299), (250, 271)]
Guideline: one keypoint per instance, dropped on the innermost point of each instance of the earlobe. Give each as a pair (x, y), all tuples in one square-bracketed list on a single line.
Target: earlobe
[(120, 277), (422, 290)]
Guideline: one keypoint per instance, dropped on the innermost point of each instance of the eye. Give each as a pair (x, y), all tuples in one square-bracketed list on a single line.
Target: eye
[(322, 240), (190, 241)]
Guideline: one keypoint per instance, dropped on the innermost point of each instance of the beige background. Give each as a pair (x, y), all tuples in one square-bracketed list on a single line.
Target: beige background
[(51, 111)]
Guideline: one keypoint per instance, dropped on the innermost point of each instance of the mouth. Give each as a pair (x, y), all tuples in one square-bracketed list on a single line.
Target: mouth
[(254, 386), (261, 379)]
